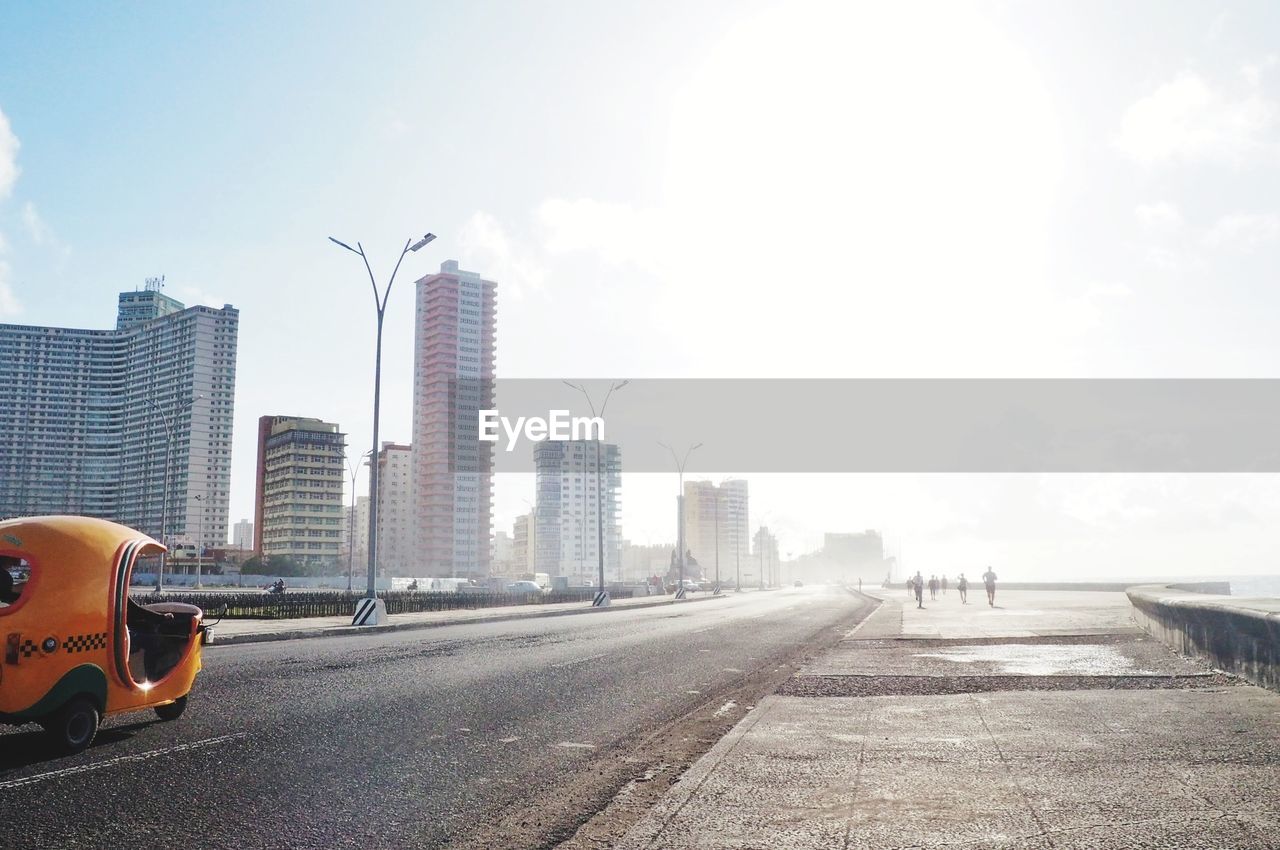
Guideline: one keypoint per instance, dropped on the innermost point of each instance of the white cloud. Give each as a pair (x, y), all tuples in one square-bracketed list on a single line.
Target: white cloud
[(1187, 120), (1160, 216), (1252, 73), (1162, 258), (485, 244), (8, 157), (36, 226), (617, 233), (41, 234), (1244, 231)]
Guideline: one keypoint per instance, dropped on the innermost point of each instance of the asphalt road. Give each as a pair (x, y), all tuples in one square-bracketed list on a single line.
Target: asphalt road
[(405, 739)]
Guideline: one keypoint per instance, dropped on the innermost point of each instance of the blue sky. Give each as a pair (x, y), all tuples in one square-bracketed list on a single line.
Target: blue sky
[(674, 189)]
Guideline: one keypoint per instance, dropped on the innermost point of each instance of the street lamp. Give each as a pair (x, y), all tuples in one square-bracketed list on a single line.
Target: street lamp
[(604, 600), (680, 465), (717, 504), (378, 615), (531, 539), (351, 517), (764, 518), (169, 422), (199, 541)]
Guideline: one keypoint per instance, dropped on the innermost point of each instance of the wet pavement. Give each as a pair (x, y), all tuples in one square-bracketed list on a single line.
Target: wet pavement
[(969, 726)]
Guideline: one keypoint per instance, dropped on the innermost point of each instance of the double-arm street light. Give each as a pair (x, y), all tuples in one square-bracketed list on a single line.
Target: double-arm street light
[(599, 497), (380, 303), (681, 463), (170, 421), (351, 516)]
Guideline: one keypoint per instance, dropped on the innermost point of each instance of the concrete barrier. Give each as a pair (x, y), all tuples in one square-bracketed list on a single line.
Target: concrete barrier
[(1240, 636)]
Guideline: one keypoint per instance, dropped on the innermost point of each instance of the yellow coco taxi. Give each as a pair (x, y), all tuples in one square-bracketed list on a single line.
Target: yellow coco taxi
[(75, 646)]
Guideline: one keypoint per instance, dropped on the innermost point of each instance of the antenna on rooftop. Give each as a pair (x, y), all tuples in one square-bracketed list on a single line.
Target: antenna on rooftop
[(155, 284)]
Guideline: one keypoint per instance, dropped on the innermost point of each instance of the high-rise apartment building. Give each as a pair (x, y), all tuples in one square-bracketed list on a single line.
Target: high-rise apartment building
[(765, 560), (242, 535), (87, 417), (714, 513), (569, 482), (300, 475), (356, 547), (453, 379), (502, 558), (395, 511), (524, 535)]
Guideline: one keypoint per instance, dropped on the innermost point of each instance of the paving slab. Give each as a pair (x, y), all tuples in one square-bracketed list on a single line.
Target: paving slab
[(1017, 613), (1073, 753)]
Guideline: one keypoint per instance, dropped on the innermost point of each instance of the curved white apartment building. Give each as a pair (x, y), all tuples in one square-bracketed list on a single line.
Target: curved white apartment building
[(81, 424)]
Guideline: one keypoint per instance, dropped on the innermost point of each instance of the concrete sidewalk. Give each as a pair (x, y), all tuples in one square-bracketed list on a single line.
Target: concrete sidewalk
[(259, 631), (1049, 721)]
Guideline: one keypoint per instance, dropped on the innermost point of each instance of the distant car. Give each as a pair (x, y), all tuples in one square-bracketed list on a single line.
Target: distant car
[(690, 584), (524, 587), (799, 584)]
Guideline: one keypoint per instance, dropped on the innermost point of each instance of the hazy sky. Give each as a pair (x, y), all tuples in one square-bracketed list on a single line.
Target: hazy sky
[(672, 189)]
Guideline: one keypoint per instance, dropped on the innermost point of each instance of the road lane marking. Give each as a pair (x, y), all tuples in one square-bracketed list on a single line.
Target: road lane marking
[(577, 661), (732, 670), (574, 745), (510, 740), (86, 768), (725, 709)]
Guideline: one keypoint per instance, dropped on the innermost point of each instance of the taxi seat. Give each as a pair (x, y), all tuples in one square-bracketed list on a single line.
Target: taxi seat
[(158, 637)]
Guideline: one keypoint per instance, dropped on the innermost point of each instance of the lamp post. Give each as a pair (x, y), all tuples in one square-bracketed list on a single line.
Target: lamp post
[(531, 539), (169, 422), (199, 541), (717, 498), (380, 303), (354, 471), (764, 518), (680, 465), (599, 493)]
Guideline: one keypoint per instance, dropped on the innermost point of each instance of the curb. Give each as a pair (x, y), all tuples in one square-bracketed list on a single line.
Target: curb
[(346, 631)]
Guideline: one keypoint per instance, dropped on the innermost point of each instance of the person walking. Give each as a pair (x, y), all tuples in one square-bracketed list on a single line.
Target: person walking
[(944, 585), (962, 585), (933, 587), (918, 585), (989, 579)]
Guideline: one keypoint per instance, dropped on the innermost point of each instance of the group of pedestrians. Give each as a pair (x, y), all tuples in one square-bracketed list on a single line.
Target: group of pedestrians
[(916, 586)]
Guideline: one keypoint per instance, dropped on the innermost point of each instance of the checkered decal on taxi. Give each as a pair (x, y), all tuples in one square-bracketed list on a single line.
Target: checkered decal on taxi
[(85, 643), (28, 648)]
